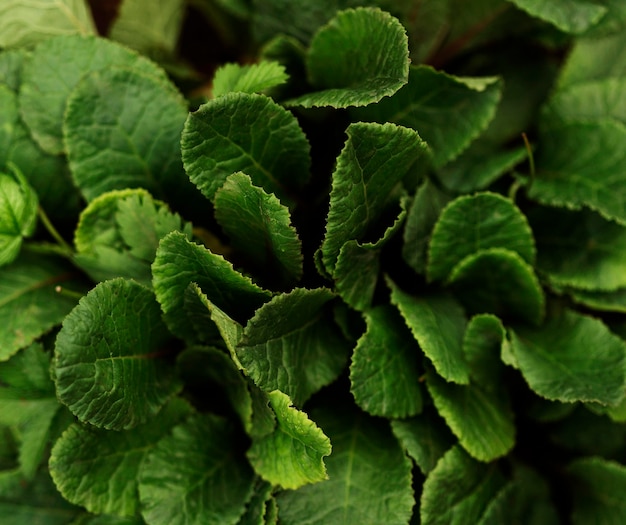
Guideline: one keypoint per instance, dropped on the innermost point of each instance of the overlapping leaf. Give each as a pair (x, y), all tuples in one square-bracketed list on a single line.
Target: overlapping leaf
[(571, 16), (109, 364), (252, 78)]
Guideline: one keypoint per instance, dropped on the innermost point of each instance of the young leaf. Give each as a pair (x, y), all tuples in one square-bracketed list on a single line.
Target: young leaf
[(472, 223), (249, 133), (108, 364), (23, 24), (366, 460), (29, 304), (346, 82), (195, 475), (556, 362), (292, 455), (437, 323), (98, 469), (384, 374), (598, 487), (291, 345), (448, 112), (500, 282), (18, 214), (44, 93), (259, 228), (570, 16), (373, 161), (180, 262), (111, 115), (118, 234), (459, 486), (252, 78)]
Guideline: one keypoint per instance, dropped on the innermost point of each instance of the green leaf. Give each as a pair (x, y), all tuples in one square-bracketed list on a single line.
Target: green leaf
[(344, 81), (109, 134), (500, 282), (159, 37), (259, 228), (473, 223), (448, 112), (570, 16), (598, 486), (583, 164), (44, 93), (249, 133), (580, 249), (425, 438), (384, 374), (292, 455), (373, 161), (29, 304), (422, 216), (483, 341), (26, 23), (196, 475), (11, 66), (437, 323), (459, 490), (259, 507), (98, 469), (180, 262), (369, 477), (556, 362), (603, 301), (292, 345), (251, 78), (18, 214), (108, 363), (118, 234)]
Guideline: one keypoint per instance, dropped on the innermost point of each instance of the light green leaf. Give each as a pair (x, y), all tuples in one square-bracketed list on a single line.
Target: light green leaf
[(108, 362), (473, 223), (180, 262), (44, 93), (369, 477), (11, 65), (344, 81), (570, 16), (29, 304), (98, 469), (18, 214), (26, 23), (583, 164), (292, 455), (251, 78), (109, 131), (437, 323), (196, 475), (556, 362), (598, 486), (292, 345), (249, 133), (373, 161), (159, 37), (459, 490), (384, 374), (580, 249), (500, 282), (422, 216), (260, 229), (448, 112), (118, 234), (425, 438)]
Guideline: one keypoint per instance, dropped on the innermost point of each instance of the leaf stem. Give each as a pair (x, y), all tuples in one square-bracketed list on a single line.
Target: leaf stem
[(531, 158), (65, 247), (72, 294)]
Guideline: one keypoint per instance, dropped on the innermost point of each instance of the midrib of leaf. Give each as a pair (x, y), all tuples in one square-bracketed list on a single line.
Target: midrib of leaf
[(50, 280)]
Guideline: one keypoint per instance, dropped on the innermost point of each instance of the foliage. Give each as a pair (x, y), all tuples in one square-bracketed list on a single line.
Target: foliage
[(350, 262)]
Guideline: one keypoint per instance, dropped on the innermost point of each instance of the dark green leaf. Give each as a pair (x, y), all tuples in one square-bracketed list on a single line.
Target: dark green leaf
[(384, 373), (344, 81), (291, 345), (195, 475), (570, 16), (108, 365), (556, 362), (249, 133), (252, 78)]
